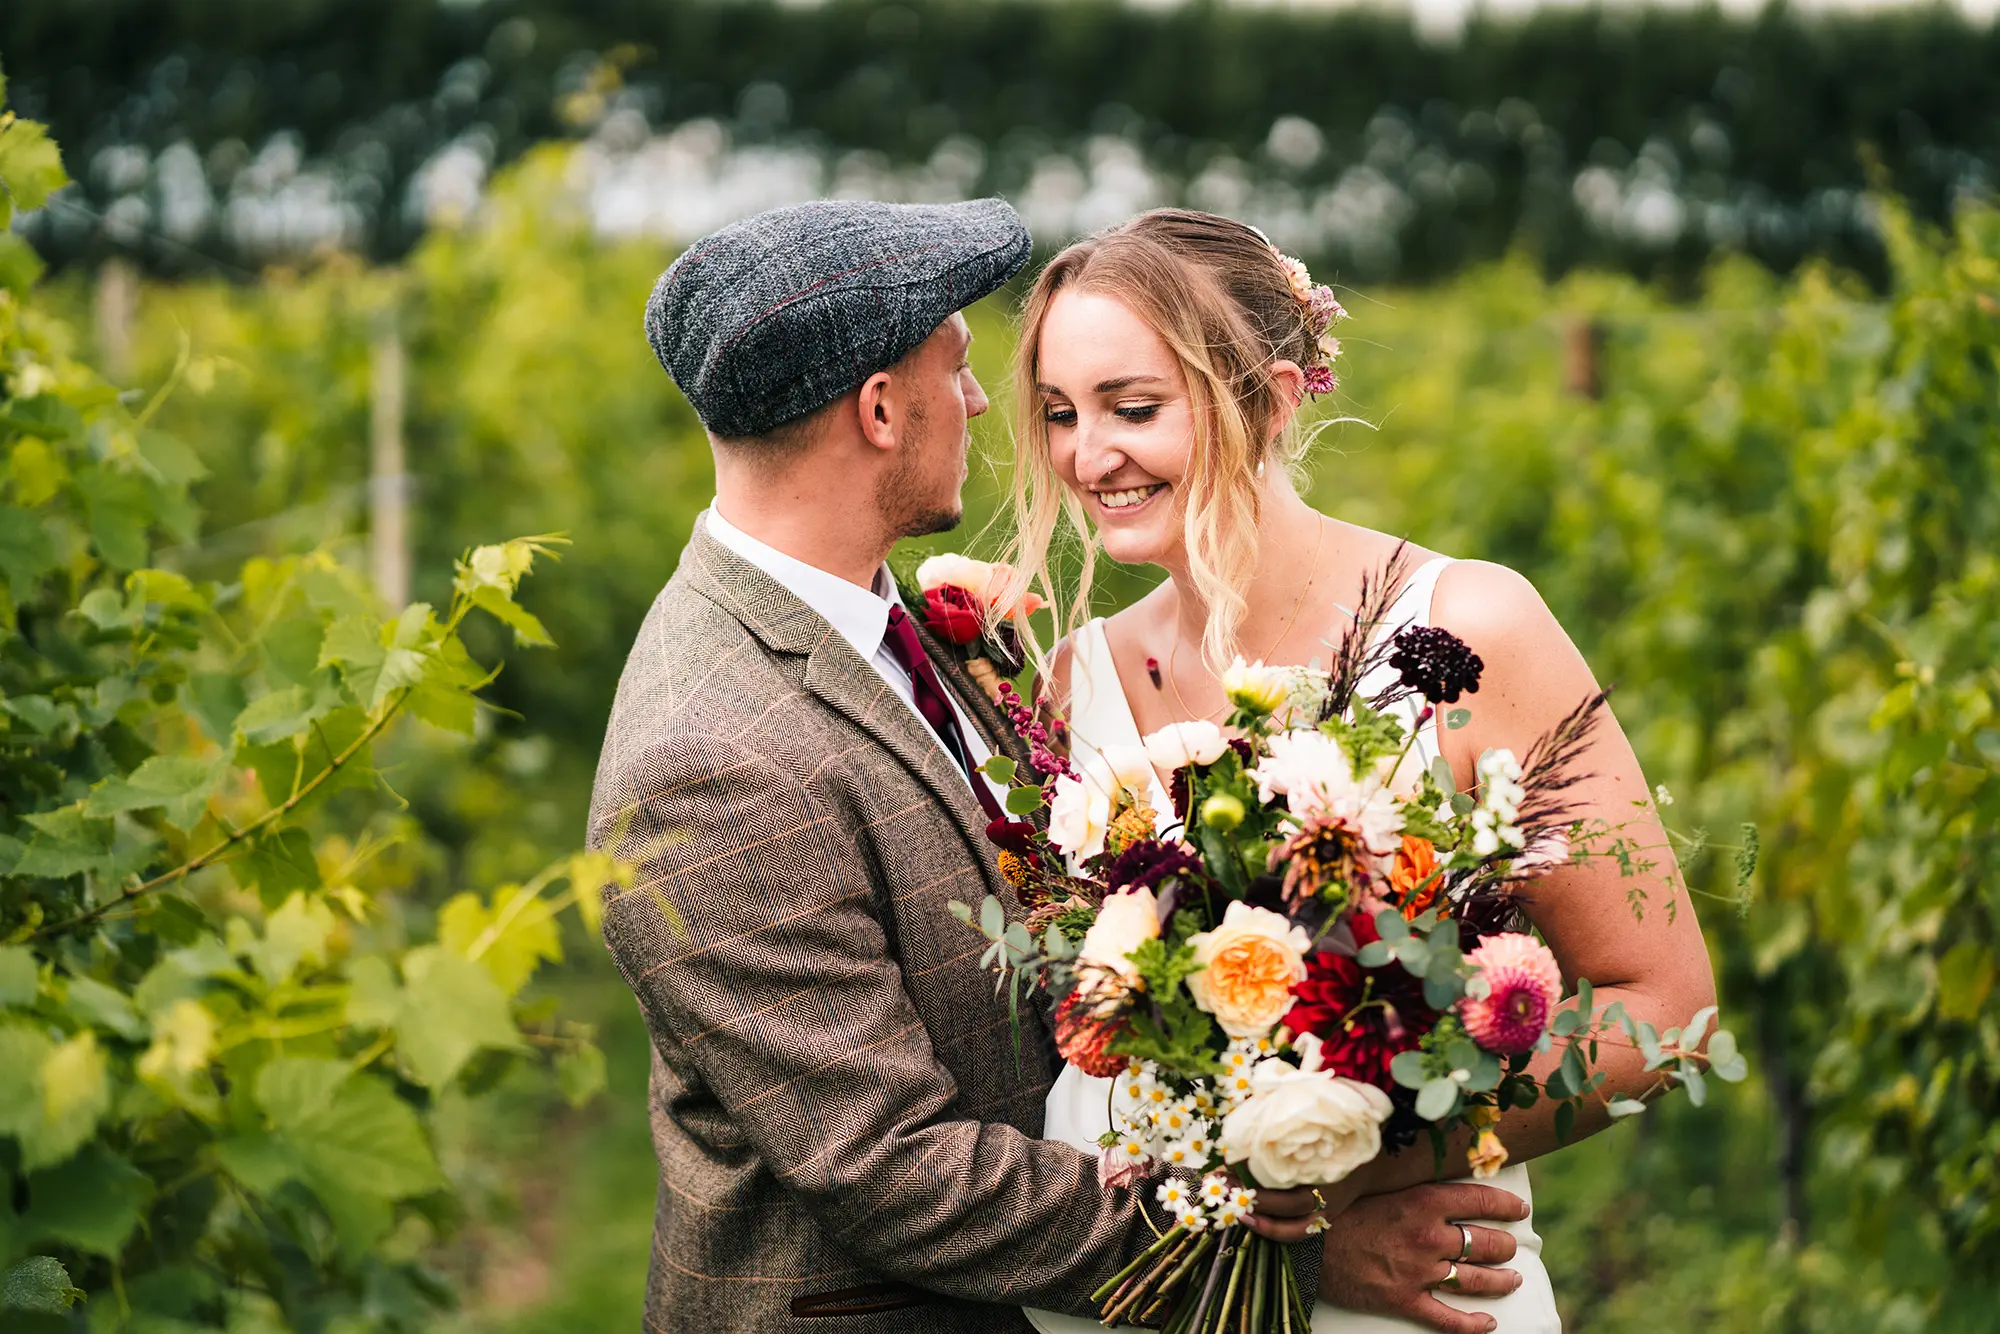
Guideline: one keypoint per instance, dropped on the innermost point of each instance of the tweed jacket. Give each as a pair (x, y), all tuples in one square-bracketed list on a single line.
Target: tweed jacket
[(845, 1126)]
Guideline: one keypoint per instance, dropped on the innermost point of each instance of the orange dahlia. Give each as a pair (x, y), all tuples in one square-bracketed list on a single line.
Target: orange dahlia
[(1416, 862)]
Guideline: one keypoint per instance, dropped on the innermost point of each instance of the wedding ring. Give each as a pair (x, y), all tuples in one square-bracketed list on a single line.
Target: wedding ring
[(1465, 1246), (1451, 1278)]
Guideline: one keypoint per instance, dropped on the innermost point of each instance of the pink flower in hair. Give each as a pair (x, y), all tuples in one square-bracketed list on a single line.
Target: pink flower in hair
[(1523, 985), (1321, 380)]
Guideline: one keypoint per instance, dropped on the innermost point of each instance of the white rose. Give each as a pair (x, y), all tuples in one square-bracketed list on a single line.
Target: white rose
[(1249, 964), (1178, 745), (954, 570), (1081, 808), (1305, 1129), (1124, 922), (1120, 767), (1078, 815)]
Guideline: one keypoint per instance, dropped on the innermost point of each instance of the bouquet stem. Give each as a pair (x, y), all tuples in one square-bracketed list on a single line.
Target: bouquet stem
[(1143, 1286), (1111, 1284), (1249, 1286), (1254, 1313)]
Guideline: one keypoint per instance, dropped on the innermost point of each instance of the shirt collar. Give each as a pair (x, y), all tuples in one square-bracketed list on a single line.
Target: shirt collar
[(861, 615)]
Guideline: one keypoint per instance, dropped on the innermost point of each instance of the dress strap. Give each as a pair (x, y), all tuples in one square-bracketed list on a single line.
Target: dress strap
[(1411, 607), (1099, 714), (1413, 604)]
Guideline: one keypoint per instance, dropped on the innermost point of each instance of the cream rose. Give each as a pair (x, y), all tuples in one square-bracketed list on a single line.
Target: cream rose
[(1124, 922), (985, 580), (1305, 1128), (1178, 745), (1249, 964), (956, 571)]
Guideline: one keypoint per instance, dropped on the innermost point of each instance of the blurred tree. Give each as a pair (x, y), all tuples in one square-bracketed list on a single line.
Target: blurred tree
[(1643, 138)]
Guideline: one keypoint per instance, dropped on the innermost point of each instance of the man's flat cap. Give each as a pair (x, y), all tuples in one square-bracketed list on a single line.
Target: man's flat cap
[(779, 314)]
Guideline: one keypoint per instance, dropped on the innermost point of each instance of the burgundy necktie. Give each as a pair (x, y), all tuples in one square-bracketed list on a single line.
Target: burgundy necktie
[(933, 703)]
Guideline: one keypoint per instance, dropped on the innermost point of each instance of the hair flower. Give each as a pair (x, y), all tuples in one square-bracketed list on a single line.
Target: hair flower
[(1318, 308)]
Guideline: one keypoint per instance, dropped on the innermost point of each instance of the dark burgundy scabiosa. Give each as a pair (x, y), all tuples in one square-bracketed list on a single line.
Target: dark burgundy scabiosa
[(1435, 663), (1149, 863), (1365, 1017), (1015, 836)]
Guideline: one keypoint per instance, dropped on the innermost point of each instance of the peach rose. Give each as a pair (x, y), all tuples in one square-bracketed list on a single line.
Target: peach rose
[(1250, 963)]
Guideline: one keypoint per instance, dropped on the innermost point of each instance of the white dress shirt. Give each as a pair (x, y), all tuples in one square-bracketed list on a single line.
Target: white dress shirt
[(861, 615)]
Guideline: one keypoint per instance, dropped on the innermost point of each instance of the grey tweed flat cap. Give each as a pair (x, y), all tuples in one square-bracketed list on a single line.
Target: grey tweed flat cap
[(779, 314)]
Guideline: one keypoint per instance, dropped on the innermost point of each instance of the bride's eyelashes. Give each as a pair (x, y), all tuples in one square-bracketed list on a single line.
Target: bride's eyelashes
[(1136, 413)]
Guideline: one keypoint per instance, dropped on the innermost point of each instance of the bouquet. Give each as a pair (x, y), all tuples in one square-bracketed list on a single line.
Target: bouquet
[(1316, 957)]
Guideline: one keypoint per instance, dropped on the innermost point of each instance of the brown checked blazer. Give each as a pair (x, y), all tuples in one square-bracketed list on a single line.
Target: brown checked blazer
[(846, 1134)]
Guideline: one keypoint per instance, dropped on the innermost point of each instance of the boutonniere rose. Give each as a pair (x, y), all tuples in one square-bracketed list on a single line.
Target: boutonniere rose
[(962, 605)]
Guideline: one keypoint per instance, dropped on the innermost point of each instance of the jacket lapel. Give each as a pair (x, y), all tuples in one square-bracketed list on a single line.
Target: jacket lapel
[(836, 675), (986, 716)]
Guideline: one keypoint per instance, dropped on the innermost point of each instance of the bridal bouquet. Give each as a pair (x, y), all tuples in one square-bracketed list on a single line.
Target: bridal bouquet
[(1316, 957)]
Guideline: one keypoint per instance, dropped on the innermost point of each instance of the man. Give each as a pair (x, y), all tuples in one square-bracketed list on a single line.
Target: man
[(846, 1125)]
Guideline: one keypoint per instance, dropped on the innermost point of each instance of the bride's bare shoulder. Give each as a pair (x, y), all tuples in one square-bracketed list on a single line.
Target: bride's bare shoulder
[(1478, 597), (1499, 613)]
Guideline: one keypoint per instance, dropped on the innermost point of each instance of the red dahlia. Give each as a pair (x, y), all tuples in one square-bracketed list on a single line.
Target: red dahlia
[(1365, 1016), (1081, 1037)]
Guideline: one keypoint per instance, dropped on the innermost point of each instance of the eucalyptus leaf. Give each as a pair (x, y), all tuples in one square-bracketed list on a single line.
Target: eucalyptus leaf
[(1437, 1098), (1023, 800), (1441, 774)]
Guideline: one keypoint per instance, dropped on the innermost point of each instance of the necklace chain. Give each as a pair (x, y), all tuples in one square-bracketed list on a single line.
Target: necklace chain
[(1173, 653)]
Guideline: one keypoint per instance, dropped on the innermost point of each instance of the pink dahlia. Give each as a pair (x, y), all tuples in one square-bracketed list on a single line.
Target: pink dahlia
[(1523, 984)]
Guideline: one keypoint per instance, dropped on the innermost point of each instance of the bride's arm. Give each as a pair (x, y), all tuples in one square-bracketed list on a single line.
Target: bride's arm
[(1656, 963)]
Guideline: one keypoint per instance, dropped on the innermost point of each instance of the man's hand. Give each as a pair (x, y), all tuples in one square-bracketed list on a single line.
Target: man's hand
[(1386, 1253)]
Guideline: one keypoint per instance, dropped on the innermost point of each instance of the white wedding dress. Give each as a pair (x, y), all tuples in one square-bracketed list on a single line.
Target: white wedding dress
[(1078, 1108)]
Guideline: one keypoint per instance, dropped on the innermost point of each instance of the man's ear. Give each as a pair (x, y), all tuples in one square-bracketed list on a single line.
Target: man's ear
[(879, 410)]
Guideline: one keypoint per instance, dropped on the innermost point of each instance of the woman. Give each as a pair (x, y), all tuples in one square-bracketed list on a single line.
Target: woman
[(1161, 369)]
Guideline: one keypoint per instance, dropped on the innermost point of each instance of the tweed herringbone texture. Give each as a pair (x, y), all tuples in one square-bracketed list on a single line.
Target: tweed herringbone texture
[(837, 1097), (781, 313)]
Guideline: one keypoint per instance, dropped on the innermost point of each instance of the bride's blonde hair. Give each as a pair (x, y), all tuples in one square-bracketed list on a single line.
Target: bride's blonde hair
[(1223, 300)]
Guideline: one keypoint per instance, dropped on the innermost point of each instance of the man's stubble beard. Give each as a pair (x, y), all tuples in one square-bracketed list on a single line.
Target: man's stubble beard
[(899, 494)]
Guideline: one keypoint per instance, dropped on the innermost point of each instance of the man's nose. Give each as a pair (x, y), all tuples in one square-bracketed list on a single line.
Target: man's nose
[(975, 397)]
